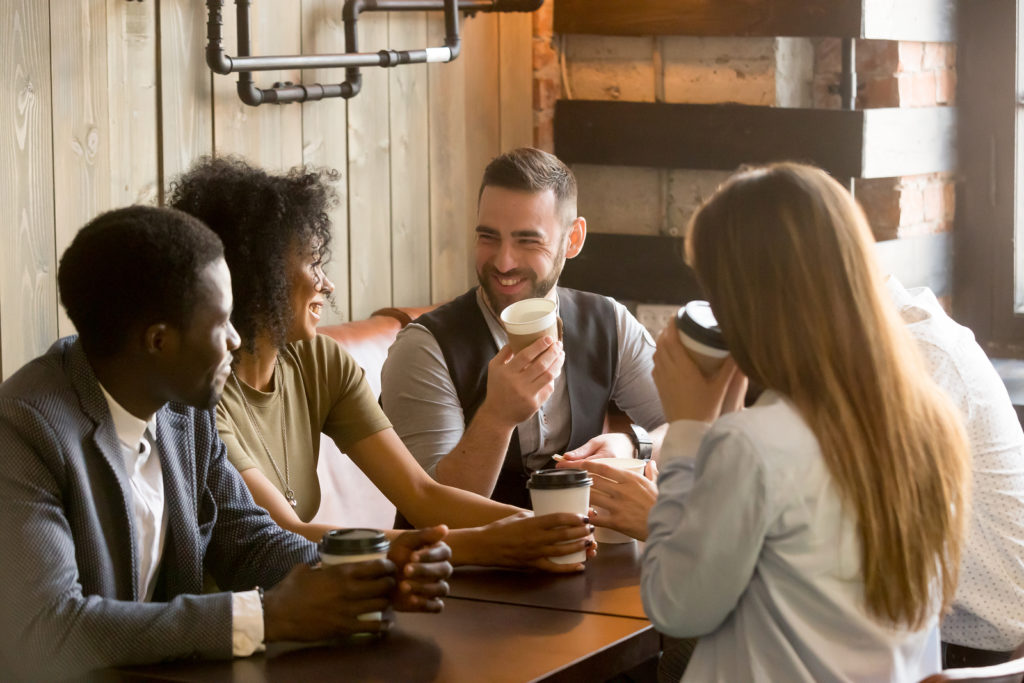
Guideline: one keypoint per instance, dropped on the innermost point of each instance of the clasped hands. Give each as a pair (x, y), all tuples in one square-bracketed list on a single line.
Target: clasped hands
[(319, 603)]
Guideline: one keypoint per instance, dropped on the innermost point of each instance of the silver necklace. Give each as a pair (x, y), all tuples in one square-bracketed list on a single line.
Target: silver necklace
[(288, 493)]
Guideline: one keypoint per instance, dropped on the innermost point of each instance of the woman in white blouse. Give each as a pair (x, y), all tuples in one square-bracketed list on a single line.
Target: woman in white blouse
[(814, 536)]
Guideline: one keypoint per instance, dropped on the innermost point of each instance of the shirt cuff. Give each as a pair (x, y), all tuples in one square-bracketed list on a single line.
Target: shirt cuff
[(246, 624), (682, 440)]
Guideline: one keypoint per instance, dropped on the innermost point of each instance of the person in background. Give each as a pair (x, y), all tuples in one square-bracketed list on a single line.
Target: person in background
[(117, 494), (288, 383), (817, 534), (481, 418), (986, 623)]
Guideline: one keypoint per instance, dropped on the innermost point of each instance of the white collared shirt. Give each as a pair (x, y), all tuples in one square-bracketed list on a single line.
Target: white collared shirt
[(147, 481), (148, 504), (988, 609)]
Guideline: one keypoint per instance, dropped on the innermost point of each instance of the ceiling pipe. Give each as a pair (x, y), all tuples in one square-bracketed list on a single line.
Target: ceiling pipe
[(244, 63)]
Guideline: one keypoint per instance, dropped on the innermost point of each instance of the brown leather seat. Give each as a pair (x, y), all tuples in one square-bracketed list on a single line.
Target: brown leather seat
[(347, 496), (368, 340)]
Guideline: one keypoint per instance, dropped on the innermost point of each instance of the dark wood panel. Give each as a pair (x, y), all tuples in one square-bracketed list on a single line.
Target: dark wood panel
[(872, 143), (926, 20), (704, 18), (706, 136), (641, 268)]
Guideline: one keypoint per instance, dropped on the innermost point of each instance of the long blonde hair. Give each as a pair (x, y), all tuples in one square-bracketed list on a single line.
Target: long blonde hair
[(785, 256)]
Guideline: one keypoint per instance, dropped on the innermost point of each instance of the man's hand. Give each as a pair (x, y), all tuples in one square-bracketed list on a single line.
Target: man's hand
[(610, 445), (522, 540), (518, 384), (421, 569), (323, 603), (625, 497)]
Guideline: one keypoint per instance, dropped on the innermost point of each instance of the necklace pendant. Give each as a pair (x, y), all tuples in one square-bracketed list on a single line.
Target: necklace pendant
[(290, 497)]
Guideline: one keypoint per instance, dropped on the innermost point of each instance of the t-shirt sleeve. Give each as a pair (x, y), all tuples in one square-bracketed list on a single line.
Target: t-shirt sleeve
[(237, 455), (347, 405)]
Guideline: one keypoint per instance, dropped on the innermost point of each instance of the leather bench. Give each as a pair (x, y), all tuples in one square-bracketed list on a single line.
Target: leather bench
[(348, 498)]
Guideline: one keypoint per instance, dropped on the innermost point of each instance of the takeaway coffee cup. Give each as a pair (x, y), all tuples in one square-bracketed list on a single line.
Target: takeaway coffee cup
[(701, 336), (342, 546), (603, 534), (528, 320), (561, 491)]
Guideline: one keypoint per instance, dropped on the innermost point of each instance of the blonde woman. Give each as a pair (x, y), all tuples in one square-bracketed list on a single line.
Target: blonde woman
[(814, 536)]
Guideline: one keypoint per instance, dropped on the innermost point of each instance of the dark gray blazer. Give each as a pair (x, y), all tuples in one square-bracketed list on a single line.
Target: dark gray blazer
[(68, 599)]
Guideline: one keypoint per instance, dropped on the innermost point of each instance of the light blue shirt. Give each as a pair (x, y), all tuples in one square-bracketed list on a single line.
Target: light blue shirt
[(750, 549)]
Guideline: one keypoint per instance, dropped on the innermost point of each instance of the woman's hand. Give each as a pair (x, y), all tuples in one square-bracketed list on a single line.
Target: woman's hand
[(523, 540), (421, 569), (686, 394), (625, 498)]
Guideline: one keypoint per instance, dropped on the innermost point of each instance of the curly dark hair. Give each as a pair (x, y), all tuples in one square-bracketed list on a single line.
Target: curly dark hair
[(133, 267), (260, 217)]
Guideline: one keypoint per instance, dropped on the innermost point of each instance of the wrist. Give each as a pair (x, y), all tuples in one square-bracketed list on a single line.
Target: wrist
[(466, 546), (643, 445), (492, 419)]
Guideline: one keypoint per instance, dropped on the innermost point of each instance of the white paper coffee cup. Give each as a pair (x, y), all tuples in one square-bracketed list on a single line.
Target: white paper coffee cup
[(345, 546), (528, 320), (604, 534), (565, 490), (700, 334)]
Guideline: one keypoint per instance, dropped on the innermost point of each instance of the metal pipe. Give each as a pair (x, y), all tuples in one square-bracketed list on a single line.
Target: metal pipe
[(848, 78), (244, 64)]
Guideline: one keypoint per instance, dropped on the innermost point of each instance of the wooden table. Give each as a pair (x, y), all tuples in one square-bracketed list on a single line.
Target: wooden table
[(470, 641), (497, 625), (610, 585)]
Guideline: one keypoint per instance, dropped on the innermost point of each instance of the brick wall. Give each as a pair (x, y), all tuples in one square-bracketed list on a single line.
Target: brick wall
[(761, 71)]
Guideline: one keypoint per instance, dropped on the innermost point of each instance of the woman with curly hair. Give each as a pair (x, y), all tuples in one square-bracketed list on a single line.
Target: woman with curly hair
[(289, 383), (815, 535)]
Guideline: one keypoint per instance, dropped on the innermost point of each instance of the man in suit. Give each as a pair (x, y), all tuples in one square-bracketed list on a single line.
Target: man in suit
[(479, 417), (116, 493)]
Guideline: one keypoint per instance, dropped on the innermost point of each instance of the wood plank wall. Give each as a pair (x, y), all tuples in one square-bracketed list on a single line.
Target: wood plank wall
[(106, 101)]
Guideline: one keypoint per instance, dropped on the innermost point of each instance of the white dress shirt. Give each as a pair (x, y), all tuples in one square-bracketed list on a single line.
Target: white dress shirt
[(988, 610), (142, 464), (751, 549)]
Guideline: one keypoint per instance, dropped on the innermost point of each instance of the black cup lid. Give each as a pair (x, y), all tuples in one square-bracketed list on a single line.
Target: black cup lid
[(559, 479), (697, 322), (354, 542)]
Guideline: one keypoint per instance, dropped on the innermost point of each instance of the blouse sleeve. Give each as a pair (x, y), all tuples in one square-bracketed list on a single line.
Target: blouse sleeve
[(706, 531)]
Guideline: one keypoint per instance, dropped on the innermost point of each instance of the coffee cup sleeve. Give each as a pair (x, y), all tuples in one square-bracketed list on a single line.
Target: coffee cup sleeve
[(558, 322)]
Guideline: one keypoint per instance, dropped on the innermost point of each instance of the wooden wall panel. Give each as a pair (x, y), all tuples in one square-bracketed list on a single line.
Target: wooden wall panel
[(369, 179), (185, 82), (132, 84), (81, 143), (449, 235), (269, 135), (515, 79), (28, 290), (410, 178), (483, 102), (324, 138), (132, 105)]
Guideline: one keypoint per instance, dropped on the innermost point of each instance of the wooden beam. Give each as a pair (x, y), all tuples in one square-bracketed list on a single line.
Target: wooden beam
[(641, 268), (863, 144), (925, 20)]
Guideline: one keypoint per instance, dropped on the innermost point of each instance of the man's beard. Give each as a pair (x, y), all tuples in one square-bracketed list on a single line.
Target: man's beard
[(534, 289)]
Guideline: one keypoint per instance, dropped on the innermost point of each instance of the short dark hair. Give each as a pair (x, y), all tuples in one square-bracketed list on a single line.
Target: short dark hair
[(259, 217), (131, 267), (533, 170)]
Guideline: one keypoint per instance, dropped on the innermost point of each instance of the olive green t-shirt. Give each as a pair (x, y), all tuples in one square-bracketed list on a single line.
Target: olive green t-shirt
[(317, 387)]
